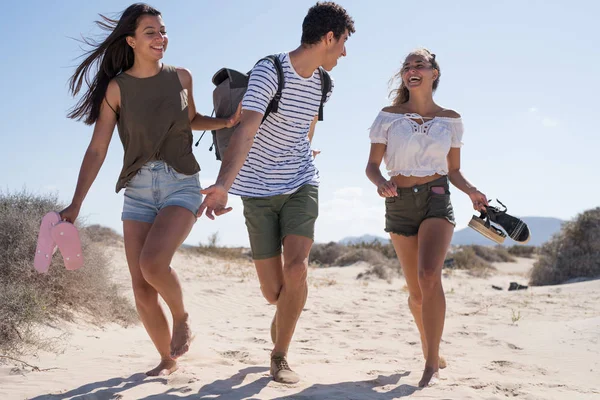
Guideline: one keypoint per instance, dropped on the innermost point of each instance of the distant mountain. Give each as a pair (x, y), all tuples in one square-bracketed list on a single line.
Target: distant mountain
[(541, 228), (363, 239)]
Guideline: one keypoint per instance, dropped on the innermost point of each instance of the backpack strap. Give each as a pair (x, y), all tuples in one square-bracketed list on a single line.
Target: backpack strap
[(325, 89), (274, 104), (203, 132)]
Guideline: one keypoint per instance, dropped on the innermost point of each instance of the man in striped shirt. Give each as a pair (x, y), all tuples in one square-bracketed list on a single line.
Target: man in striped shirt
[(271, 166)]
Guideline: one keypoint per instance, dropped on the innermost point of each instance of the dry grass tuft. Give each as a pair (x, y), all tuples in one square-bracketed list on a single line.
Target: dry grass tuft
[(572, 253), (465, 258), (28, 298), (522, 251), (212, 249)]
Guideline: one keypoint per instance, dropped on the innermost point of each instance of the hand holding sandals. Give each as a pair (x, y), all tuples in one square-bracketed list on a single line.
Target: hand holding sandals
[(479, 199)]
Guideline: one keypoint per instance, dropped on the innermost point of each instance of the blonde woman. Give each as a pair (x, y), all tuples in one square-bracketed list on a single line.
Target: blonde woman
[(420, 143)]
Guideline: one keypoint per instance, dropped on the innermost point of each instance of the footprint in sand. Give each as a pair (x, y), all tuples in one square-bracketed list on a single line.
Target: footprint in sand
[(132, 355), (308, 350), (257, 340), (503, 365), (479, 386), (239, 356), (490, 342), (181, 379), (509, 390)]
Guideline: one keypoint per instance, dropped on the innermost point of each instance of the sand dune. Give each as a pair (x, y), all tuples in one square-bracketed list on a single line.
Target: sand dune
[(355, 340)]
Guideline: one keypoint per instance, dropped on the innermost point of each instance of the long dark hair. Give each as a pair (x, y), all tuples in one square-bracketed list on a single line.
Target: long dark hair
[(401, 94), (105, 60)]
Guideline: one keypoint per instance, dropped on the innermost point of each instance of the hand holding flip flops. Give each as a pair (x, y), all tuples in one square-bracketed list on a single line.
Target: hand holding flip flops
[(56, 233)]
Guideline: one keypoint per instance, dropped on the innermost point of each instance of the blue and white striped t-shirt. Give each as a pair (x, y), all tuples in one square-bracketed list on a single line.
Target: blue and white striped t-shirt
[(280, 160)]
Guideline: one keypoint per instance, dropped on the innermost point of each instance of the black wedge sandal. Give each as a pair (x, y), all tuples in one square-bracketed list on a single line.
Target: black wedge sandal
[(516, 229), (483, 225)]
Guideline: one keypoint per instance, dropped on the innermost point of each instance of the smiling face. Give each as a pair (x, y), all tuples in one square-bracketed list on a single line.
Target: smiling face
[(334, 49), (150, 40), (418, 73)]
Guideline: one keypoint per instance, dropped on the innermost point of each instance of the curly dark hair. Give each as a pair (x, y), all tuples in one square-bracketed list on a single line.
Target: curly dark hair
[(325, 17)]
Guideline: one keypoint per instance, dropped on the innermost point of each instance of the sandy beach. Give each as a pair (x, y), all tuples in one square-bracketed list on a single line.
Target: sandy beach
[(355, 340)]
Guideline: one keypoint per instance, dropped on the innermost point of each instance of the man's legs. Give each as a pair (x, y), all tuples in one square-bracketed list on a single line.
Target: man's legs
[(297, 221), (270, 275), (283, 280), (262, 221), (292, 297), (284, 284)]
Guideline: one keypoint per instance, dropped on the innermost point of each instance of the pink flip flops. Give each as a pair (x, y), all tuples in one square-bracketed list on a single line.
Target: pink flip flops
[(67, 239), (46, 247), (55, 233)]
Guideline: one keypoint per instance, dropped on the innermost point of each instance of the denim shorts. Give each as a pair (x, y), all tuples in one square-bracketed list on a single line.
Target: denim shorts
[(411, 206), (156, 186)]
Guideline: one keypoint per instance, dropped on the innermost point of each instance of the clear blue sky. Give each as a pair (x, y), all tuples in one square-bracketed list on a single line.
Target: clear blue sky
[(523, 74)]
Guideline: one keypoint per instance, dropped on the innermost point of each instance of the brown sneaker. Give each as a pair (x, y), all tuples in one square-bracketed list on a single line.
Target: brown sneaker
[(274, 328), (281, 370)]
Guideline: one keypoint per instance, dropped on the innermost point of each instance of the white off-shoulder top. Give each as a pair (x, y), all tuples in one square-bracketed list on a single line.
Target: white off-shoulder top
[(416, 146)]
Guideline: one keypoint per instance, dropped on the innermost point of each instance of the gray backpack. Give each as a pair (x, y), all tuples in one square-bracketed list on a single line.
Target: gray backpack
[(230, 88)]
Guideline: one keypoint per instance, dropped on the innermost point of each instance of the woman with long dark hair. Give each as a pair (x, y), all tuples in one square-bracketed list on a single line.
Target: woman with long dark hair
[(153, 107), (420, 142)]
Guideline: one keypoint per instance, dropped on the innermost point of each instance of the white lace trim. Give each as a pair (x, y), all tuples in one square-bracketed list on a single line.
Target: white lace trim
[(418, 173), (413, 148)]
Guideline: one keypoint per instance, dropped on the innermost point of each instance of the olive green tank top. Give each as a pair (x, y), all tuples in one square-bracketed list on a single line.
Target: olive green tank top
[(153, 123)]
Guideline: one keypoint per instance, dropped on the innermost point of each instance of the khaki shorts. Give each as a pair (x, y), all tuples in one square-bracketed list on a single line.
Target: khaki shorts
[(270, 219), (405, 212)]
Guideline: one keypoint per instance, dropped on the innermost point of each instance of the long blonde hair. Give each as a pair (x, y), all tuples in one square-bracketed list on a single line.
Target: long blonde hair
[(401, 94)]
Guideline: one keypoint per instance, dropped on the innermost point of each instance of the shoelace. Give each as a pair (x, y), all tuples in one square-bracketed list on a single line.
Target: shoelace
[(281, 363)]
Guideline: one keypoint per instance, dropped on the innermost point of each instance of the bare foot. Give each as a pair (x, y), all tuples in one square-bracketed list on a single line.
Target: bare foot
[(182, 337), (430, 377), (166, 367), (442, 360), (443, 363)]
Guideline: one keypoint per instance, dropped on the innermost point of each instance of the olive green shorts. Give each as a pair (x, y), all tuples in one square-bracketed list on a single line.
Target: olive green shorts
[(405, 212), (270, 219)]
